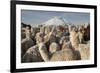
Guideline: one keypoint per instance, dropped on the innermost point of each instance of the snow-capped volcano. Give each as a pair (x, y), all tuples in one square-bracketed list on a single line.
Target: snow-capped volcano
[(55, 21)]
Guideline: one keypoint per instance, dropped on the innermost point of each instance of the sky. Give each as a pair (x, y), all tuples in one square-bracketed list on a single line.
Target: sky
[(35, 17)]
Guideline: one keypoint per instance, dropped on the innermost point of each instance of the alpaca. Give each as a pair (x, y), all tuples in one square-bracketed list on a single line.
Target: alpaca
[(63, 55), (81, 34), (50, 38), (84, 33), (39, 37), (84, 50), (42, 29), (32, 55), (47, 29), (33, 32), (23, 34), (74, 38), (69, 45), (64, 39), (27, 42), (45, 38)]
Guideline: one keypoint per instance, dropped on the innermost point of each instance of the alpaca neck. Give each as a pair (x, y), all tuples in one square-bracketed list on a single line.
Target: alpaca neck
[(28, 35), (44, 53), (74, 38)]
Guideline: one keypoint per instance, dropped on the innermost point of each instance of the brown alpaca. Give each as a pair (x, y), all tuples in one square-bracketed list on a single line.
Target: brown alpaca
[(39, 37), (27, 42), (87, 33), (32, 55), (81, 34)]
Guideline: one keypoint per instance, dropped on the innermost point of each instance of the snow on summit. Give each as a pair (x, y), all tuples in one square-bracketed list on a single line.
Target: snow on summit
[(56, 21)]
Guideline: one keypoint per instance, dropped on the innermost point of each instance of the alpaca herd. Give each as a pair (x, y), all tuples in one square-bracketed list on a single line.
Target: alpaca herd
[(55, 43)]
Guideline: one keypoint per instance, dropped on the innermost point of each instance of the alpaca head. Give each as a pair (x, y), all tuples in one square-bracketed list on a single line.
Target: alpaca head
[(28, 31), (54, 47), (73, 28), (39, 37), (47, 29), (33, 31)]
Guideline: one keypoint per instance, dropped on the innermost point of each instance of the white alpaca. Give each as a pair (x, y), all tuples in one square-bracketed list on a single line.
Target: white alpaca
[(84, 50), (63, 55), (47, 29), (74, 38)]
